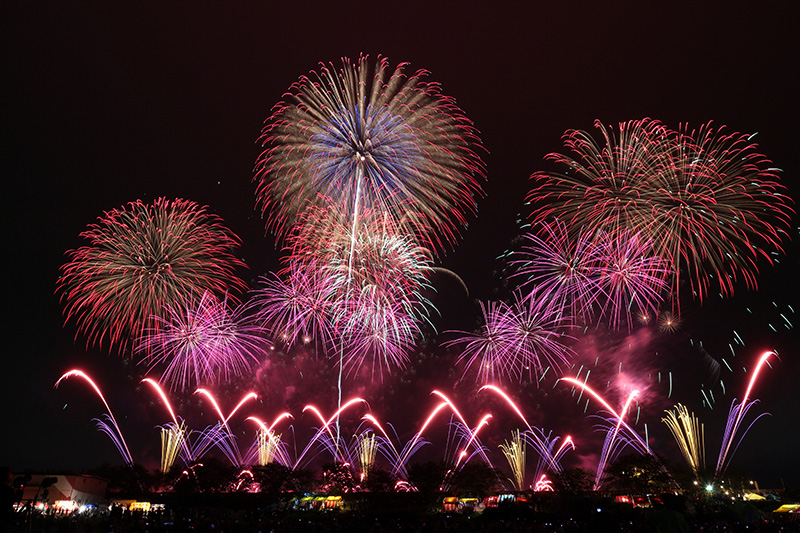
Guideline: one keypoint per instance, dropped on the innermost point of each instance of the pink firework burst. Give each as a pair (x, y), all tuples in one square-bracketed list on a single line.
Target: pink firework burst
[(599, 276), (201, 342), (376, 276), (516, 340), (632, 279), (561, 267), (296, 308), (139, 259)]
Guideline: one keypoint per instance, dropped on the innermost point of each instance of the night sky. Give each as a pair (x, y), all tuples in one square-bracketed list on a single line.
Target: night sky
[(104, 104)]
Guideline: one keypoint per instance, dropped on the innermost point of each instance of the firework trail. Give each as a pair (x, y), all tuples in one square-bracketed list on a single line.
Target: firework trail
[(514, 453), (112, 431), (515, 340), (201, 342), (709, 202), (468, 435), (231, 450), (268, 445), (690, 436), (139, 259), (389, 447), (333, 444), (367, 136), (610, 446), (735, 416), (543, 444), (173, 434)]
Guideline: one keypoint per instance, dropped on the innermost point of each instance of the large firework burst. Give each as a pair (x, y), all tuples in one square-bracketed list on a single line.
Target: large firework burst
[(201, 342), (370, 137), (709, 202), (141, 258)]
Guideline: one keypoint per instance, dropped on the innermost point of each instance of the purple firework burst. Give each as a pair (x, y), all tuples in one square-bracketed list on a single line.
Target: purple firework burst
[(201, 342), (296, 308), (518, 340), (602, 275)]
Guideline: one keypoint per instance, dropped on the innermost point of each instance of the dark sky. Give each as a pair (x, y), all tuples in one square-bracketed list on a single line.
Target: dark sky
[(105, 104)]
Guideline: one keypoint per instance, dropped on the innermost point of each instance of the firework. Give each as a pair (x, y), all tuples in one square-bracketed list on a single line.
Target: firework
[(690, 436), (735, 417), (611, 448), (543, 484), (297, 308), (370, 137), (514, 453), (140, 259), (615, 277), (173, 438), (366, 452), (612, 445), (515, 340), (549, 456), (375, 258), (707, 200), (630, 277), (224, 437), (202, 342), (561, 267), (268, 445), (112, 429), (388, 449), (364, 284), (414, 444), (333, 442), (470, 436), (668, 323)]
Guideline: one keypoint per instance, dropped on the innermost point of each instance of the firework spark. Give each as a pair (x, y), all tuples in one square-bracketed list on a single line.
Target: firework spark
[(139, 259)]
